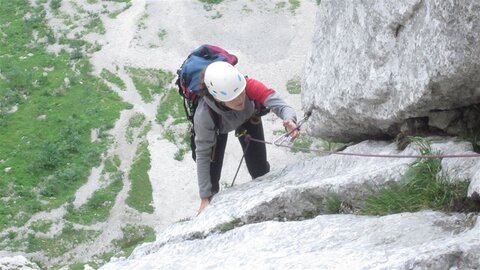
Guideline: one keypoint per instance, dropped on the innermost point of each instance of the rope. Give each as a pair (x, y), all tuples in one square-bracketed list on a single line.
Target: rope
[(337, 152), (247, 140), (368, 155)]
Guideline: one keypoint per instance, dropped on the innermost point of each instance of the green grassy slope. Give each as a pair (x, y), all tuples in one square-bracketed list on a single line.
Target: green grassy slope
[(46, 152)]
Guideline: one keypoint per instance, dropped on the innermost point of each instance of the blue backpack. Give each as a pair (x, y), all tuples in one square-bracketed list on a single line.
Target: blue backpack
[(190, 74), (190, 81)]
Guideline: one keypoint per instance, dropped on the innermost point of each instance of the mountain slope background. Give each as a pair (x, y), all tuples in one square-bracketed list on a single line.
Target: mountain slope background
[(94, 159)]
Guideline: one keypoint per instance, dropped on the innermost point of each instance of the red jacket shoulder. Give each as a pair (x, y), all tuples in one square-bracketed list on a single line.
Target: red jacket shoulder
[(257, 91)]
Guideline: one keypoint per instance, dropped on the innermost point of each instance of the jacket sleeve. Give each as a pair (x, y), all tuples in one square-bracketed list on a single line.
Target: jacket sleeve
[(280, 107), (258, 92), (205, 139)]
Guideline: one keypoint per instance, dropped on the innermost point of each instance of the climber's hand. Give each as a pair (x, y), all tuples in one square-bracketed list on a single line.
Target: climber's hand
[(292, 129)]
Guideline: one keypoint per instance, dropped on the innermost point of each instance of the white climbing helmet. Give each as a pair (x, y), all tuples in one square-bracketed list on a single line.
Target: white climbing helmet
[(224, 82)]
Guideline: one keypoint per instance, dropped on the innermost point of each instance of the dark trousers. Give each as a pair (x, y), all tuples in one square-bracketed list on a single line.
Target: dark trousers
[(255, 155)]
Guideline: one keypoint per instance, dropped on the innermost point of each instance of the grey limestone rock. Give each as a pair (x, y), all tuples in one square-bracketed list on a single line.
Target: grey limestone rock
[(375, 64)]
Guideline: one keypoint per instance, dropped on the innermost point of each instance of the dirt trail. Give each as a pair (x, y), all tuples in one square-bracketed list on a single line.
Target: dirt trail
[(118, 40)]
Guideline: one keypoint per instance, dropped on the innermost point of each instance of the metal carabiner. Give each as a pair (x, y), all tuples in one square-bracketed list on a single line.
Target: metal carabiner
[(284, 137), (281, 139)]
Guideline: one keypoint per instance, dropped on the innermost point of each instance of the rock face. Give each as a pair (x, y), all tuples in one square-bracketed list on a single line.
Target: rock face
[(376, 64), (276, 222)]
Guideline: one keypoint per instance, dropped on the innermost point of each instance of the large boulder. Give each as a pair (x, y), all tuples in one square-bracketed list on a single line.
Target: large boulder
[(376, 64)]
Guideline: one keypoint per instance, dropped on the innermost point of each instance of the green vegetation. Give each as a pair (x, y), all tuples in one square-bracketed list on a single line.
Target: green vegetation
[(98, 206), (183, 148), (55, 4), (422, 187), (302, 144), (293, 86), (280, 5), (112, 165), (150, 81), (41, 226), (95, 24), (473, 136), (229, 226), (176, 132), (59, 244), (46, 153), (49, 104), (112, 78), (117, 12), (208, 5), (331, 146), (294, 5), (142, 21), (246, 9), (81, 266), (330, 204), (180, 139), (171, 106), (333, 204), (217, 15), (140, 195), (132, 237), (278, 132), (145, 130), (211, 2), (162, 34), (82, 20), (135, 122)]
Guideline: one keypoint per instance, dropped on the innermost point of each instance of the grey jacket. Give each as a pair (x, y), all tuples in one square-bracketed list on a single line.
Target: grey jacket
[(205, 132)]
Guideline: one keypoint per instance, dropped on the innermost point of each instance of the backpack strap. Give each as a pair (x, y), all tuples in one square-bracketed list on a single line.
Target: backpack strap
[(217, 120)]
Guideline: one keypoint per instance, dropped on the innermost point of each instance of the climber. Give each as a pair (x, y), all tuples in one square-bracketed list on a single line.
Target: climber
[(230, 102)]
